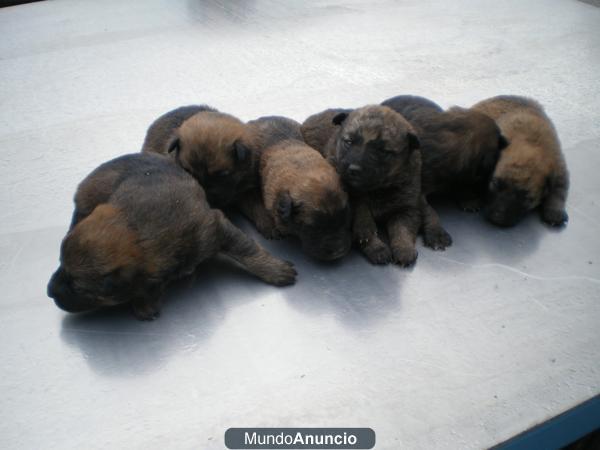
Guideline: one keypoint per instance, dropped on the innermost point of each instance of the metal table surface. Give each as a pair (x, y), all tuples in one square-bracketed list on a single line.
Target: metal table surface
[(468, 348)]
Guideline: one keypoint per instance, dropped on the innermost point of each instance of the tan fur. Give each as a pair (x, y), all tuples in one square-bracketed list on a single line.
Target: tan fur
[(304, 173), (534, 154), (207, 139), (109, 244)]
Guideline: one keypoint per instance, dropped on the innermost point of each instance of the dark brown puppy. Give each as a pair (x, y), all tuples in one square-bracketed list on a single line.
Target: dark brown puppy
[(531, 171), (139, 223), (214, 147), (460, 148), (303, 194), (375, 151)]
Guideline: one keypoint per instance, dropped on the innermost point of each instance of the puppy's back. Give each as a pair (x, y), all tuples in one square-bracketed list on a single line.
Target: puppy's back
[(318, 129), (162, 129), (145, 170), (412, 107), (522, 120), (269, 130)]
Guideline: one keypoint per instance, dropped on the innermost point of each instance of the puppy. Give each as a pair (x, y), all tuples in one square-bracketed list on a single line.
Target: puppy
[(460, 148), (531, 171), (376, 152), (161, 132), (214, 147), (139, 223), (304, 196)]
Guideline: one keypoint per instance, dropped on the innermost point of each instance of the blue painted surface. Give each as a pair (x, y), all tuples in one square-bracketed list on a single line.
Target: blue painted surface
[(560, 431)]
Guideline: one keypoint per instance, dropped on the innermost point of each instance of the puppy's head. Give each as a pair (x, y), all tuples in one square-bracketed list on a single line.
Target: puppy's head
[(479, 139), (311, 204), (519, 183), (213, 147), (100, 264), (373, 146)]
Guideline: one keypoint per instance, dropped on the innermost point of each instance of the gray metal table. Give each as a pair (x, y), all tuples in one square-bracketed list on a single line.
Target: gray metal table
[(469, 348)]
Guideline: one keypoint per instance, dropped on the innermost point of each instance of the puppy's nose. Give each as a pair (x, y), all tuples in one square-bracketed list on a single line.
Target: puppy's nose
[(354, 169)]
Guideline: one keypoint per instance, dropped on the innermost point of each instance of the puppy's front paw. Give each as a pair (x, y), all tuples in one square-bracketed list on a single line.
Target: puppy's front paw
[(437, 238), (280, 273), (268, 229), (405, 256), (555, 217), (377, 251), (469, 204), (145, 311)]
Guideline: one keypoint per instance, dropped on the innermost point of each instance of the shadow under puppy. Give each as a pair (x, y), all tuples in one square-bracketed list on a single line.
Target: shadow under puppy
[(301, 193), (139, 223), (460, 148), (214, 147), (531, 171), (376, 152)]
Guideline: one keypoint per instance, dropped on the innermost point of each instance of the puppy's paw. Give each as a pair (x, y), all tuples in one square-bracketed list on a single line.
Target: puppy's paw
[(268, 228), (280, 273), (405, 256), (144, 311), (377, 251), (469, 204), (555, 217), (437, 239)]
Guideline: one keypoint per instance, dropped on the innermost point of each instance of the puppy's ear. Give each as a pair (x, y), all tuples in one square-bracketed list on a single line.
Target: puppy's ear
[(286, 206), (240, 151), (502, 142), (413, 141), (338, 119), (173, 145)]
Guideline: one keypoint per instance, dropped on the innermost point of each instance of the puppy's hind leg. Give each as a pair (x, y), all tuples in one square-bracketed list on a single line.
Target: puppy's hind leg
[(434, 235), (235, 244), (553, 206)]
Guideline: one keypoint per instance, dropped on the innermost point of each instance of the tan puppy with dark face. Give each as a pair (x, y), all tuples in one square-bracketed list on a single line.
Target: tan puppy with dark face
[(214, 147), (304, 195), (376, 152), (531, 171), (139, 223), (301, 194)]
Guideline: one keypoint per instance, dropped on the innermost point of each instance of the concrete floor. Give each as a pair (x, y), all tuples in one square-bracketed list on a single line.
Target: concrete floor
[(470, 347)]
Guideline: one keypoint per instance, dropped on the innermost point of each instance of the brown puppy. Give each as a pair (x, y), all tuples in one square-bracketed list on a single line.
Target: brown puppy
[(161, 132), (375, 151), (265, 132), (460, 148), (214, 147), (140, 222), (303, 194), (531, 171)]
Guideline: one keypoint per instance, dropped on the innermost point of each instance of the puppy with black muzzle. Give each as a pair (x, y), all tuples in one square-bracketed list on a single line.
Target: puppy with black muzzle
[(139, 223), (214, 147), (460, 148), (304, 196), (531, 171), (376, 152)]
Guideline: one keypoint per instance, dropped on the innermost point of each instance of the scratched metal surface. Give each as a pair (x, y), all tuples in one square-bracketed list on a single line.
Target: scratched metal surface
[(470, 347)]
